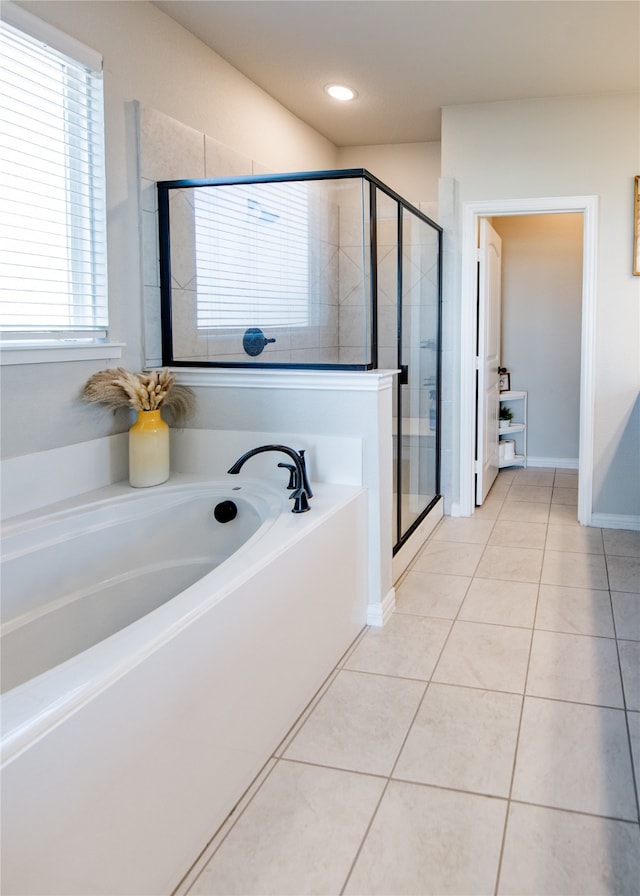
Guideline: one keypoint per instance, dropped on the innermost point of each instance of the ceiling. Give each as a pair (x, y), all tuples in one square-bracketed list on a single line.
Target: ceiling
[(409, 58)]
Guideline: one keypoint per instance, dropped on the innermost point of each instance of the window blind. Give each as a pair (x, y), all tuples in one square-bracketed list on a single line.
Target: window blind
[(252, 255), (53, 278)]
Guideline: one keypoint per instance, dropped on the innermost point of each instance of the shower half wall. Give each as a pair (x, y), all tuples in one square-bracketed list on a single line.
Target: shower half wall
[(313, 270)]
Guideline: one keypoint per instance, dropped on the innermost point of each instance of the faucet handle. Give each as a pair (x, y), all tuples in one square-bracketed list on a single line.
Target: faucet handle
[(300, 502), (292, 475)]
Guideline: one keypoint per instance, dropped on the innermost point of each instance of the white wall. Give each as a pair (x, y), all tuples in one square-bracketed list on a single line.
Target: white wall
[(573, 147), (541, 317), (149, 58), (581, 146)]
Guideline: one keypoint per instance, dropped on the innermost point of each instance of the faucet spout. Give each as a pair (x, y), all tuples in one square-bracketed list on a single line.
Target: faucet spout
[(299, 481)]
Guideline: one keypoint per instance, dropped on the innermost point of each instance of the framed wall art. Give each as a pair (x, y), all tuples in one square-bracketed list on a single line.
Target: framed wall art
[(636, 228)]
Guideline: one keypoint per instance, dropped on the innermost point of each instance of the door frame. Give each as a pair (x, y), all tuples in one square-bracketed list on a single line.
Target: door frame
[(472, 211)]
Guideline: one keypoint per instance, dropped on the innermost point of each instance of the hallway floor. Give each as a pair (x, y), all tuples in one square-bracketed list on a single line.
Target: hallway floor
[(487, 740)]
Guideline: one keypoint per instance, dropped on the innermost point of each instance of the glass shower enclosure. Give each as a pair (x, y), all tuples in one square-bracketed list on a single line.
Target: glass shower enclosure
[(314, 270)]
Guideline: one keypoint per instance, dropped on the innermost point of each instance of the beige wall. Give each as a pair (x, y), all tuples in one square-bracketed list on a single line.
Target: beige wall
[(583, 146), (541, 317), (412, 169)]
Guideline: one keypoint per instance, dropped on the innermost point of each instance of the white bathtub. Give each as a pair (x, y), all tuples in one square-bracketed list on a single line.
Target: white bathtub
[(74, 578), (148, 669)]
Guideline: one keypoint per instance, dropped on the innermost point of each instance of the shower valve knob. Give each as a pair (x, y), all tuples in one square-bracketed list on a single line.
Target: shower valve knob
[(254, 341)]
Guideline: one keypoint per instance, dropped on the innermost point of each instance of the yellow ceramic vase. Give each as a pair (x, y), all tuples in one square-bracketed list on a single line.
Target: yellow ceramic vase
[(148, 450)]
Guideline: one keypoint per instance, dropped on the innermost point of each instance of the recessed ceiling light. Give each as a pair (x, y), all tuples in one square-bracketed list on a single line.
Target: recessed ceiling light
[(340, 92)]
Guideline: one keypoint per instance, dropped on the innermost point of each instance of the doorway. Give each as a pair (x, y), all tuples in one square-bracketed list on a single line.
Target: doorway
[(472, 213)]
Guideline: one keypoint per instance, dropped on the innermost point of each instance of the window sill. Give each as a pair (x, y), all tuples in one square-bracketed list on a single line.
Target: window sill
[(39, 353)]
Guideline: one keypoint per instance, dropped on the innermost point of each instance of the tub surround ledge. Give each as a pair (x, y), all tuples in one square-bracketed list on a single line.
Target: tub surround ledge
[(32, 481)]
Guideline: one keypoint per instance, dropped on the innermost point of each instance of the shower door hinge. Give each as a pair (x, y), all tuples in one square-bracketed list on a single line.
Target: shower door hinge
[(404, 374)]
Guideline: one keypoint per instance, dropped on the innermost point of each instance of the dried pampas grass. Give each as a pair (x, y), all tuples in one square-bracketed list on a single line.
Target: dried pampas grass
[(118, 388)]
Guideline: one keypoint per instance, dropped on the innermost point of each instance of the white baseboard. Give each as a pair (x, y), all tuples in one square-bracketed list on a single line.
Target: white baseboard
[(615, 521), (379, 614), (562, 463)]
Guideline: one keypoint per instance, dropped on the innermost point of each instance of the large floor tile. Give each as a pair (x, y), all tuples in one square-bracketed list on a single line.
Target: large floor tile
[(548, 852), (634, 733), (500, 603), (517, 534), (485, 656), (567, 496), (507, 475), (427, 841), (622, 542), (566, 479), (511, 564), (630, 665), (440, 751), (624, 573), (304, 715), (579, 611), (534, 476), (563, 515), (573, 756), (626, 612), (449, 557), (524, 511), (407, 646), (490, 508), (500, 488), (274, 846), (466, 529), (580, 539), (575, 667), (431, 594), (359, 724), (540, 494), (574, 570)]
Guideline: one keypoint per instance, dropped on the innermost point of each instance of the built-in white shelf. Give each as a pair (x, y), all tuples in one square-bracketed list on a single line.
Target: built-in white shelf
[(517, 401)]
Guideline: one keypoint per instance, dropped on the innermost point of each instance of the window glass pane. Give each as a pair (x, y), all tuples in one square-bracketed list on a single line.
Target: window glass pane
[(52, 215), (252, 255)]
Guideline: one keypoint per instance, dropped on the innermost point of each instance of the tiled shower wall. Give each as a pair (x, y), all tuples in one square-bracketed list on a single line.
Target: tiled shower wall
[(419, 300), (353, 280), (339, 330), (317, 342)]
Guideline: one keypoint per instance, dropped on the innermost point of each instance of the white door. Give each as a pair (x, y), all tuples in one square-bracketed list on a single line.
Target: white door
[(488, 358)]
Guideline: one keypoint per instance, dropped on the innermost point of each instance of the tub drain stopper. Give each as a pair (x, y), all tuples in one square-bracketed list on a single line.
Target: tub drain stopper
[(225, 511)]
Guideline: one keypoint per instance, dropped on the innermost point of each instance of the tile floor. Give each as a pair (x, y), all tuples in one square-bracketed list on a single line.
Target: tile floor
[(487, 740)]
